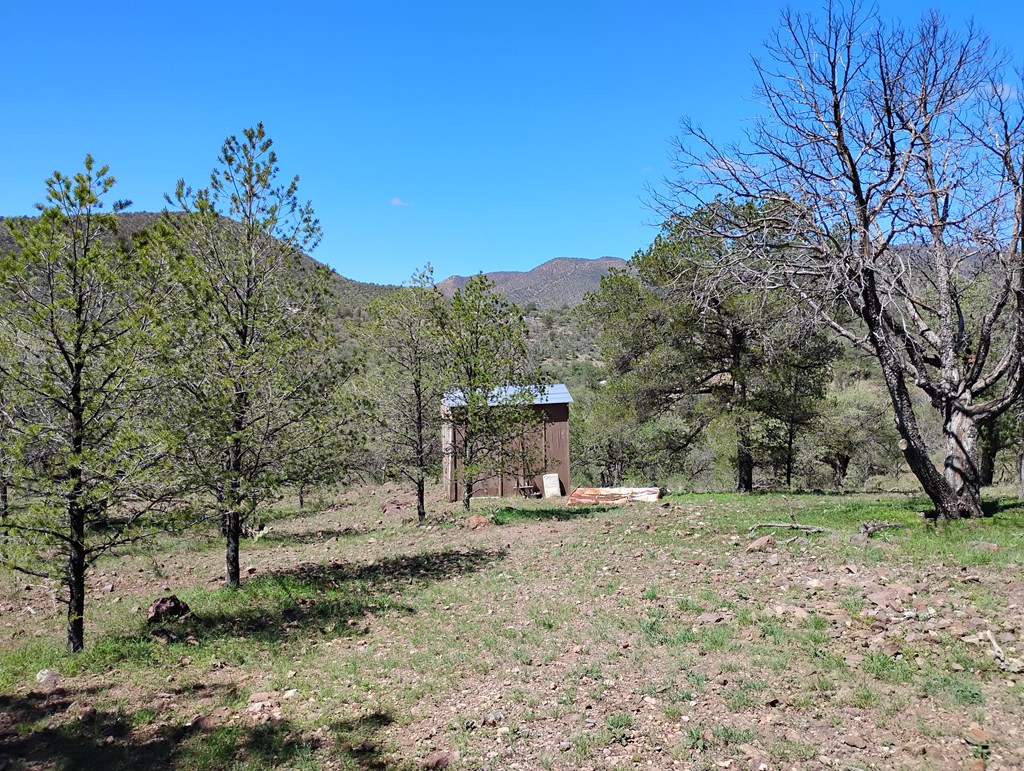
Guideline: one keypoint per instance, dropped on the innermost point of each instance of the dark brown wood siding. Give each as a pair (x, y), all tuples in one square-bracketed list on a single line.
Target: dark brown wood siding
[(552, 438)]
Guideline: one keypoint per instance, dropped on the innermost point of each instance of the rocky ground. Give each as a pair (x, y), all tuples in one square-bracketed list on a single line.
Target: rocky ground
[(645, 636)]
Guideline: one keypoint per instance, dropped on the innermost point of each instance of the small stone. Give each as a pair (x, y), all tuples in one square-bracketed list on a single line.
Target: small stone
[(48, 677), (440, 759), (709, 618), (492, 719), (763, 543), (977, 735), (855, 742)]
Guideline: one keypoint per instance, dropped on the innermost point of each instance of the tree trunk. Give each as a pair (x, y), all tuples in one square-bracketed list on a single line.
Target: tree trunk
[(76, 577), (960, 433), (840, 466), (421, 506), (790, 441), (989, 444), (744, 458), (1020, 475), (467, 478), (302, 496), (5, 501), (234, 534), (949, 503)]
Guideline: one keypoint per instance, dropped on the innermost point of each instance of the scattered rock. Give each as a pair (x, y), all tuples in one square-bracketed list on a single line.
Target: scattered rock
[(709, 618), (764, 543), (440, 759), (166, 608), (855, 742), (214, 719), (978, 735), (164, 636), (48, 677)]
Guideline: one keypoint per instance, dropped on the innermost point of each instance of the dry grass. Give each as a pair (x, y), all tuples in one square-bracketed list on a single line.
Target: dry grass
[(560, 639)]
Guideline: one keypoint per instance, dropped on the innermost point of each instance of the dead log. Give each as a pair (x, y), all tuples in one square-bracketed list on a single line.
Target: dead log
[(873, 526), (790, 526)]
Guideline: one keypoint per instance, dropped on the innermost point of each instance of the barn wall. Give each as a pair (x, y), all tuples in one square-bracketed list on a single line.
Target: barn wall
[(552, 439)]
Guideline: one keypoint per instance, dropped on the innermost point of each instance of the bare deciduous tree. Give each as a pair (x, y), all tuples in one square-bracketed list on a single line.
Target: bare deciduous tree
[(887, 168)]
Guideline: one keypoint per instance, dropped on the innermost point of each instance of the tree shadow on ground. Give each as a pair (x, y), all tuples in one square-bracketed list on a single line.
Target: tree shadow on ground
[(1010, 511), (510, 515), (319, 535), (60, 729), (325, 598), (355, 742)]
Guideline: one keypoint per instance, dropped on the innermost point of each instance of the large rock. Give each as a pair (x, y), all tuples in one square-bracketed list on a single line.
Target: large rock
[(166, 608)]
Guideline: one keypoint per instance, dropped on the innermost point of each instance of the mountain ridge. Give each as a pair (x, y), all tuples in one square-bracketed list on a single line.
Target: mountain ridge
[(562, 281), (557, 283)]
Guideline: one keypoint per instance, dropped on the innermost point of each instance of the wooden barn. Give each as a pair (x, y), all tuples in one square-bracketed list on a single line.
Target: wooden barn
[(547, 437)]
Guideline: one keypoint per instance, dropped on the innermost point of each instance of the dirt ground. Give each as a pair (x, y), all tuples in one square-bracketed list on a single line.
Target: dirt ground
[(646, 636)]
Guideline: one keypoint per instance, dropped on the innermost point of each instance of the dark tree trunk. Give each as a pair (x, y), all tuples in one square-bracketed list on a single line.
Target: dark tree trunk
[(421, 504), (961, 470), (840, 465), (790, 441), (76, 578), (421, 445), (1020, 475), (949, 503), (234, 535), (744, 458), (5, 501), (302, 496), (467, 478), (989, 445), (232, 515)]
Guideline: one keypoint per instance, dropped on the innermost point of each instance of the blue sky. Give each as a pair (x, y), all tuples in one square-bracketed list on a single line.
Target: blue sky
[(471, 135)]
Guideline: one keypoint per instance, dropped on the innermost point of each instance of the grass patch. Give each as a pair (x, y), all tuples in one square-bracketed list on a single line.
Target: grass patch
[(511, 515)]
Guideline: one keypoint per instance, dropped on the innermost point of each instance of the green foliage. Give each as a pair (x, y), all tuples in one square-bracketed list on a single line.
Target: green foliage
[(483, 344), (258, 375), (680, 342), (82, 335), (403, 381)]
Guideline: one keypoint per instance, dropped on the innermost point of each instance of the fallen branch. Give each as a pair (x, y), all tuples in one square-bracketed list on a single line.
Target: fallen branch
[(790, 526), (873, 526), (995, 646)]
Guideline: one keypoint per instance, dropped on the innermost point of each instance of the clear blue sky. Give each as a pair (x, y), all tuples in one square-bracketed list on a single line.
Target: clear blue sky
[(475, 135)]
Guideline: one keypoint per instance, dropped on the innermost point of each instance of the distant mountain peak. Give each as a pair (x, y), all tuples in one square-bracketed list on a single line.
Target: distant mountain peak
[(557, 282)]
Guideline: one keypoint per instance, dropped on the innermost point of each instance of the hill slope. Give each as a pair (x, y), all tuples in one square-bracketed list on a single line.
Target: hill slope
[(352, 296), (562, 281)]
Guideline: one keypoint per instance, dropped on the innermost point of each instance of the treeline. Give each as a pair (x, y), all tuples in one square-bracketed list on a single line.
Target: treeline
[(187, 367), (708, 382)]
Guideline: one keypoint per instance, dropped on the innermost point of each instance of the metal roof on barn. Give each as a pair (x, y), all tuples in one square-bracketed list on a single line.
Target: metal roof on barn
[(556, 393)]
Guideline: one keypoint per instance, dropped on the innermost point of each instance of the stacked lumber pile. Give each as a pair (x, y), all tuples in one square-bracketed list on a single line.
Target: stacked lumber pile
[(613, 496)]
